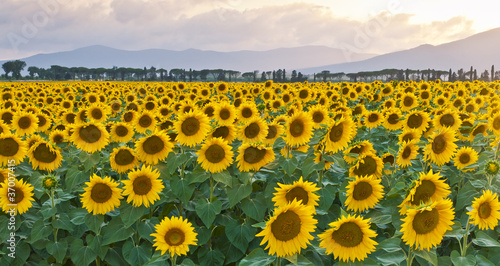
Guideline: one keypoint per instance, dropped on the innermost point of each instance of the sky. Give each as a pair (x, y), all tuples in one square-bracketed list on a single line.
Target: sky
[(29, 27)]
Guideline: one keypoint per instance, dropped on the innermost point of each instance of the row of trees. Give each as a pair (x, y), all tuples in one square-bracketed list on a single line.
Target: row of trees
[(56, 72)]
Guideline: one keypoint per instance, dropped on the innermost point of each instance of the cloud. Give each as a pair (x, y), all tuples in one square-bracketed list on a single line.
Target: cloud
[(206, 24)]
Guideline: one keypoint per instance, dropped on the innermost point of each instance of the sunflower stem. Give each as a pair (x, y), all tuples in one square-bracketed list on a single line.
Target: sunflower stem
[(279, 262), (409, 259), (466, 236), (174, 260), (211, 188)]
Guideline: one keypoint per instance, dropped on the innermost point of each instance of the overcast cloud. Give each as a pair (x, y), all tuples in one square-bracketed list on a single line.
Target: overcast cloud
[(29, 27)]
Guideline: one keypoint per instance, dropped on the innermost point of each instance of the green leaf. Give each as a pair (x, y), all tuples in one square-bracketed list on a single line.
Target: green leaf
[(456, 231), (254, 208), (390, 245), (115, 231), (175, 160), (484, 240), (326, 197), (199, 175), (481, 260), (392, 258), (257, 257), (80, 254), (136, 255), (48, 211), (114, 257), (467, 193), (309, 166), (77, 216), (147, 227), (224, 177), (63, 222), (94, 222), (378, 217), (429, 256), (289, 165), (58, 250), (181, 188), (210, 258), (74, 178), (238, 193), (208, 210), (240, 235), (457, 260), (131, 214), (40, 231)]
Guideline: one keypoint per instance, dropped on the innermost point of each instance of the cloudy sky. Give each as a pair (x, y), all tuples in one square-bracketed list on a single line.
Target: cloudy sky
[(29, 27)]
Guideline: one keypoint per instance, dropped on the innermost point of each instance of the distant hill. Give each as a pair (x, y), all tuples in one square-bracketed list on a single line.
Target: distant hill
[(480, 51), (244, 61)]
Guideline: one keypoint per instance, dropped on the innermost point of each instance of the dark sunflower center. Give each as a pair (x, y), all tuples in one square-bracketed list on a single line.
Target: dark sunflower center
[(373, 118), (425, 95), (246, 112), (43, 154), (215, 153), (128, 117), (303, 94), (70, 118), (478, 130), (150, 106), (406, 152), (297, 128), (101, 193), (439, 144), (41, 121), (318, 117), (83, 115), (221, 132), (362, 191), (496, 123), (121, 131), (336, 132), (252, 130), (96, 113), (440, 101), (393, 119), (348, 235), (357, 149), (415, 121), (484, 210), (367, 167), (286, 98), (408, 137), (116, 107), (142, 185), (276, 104), (190, 126), (297, 193), (7, 118), (90, 134), (389, 159), (92, 99), (8, 147), (253, 155), (209, 111), (464, 158), (424, 192), (58, 138), (18, 195), (174, 237), (286, 226), (145, 121), (447, 120), (271, 132), (153, 145), (425, 221), (224, 114), (408, 101), (469, 108), (124, 157), (24, 122)]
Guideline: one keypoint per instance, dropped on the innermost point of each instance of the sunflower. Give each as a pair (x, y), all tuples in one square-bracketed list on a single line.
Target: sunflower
[(215, 155), (367, 165), (349, 238), (407, 152), (145, 121), (174, 235), (492, 167), (90, 136), (97, 113), (121, 132), (441, 147), (4, 128), (392, 119), (24, 123), (129, 117), (364, 193), (44, 122), (22, 199), (289, 229), (274, 130), (253, 157), (427, 188), (4, 174), (480, 128), (123, 159), (143, 186), (373, 119), (485, 211), (340, 133), (226, 132), (225, 113), (101, 195), (298, 129), (359, 148), (254, 130), (6, 115), (11, 148), (153, 148), (303, 192), (408, 102), (424, 227), (417, 120), (464, 157), (319, 115), (448, 118), (494, 124), (192, 128), (409, 135), (246, 111), (44, 156)]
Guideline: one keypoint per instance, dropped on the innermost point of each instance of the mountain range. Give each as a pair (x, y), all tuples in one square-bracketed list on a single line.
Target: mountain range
[(479, 50)]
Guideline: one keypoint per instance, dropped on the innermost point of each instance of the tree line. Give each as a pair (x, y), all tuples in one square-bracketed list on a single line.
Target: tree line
[(13, 70)]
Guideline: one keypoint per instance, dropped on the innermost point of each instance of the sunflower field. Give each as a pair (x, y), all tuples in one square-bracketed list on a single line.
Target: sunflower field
[(174, 173)]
